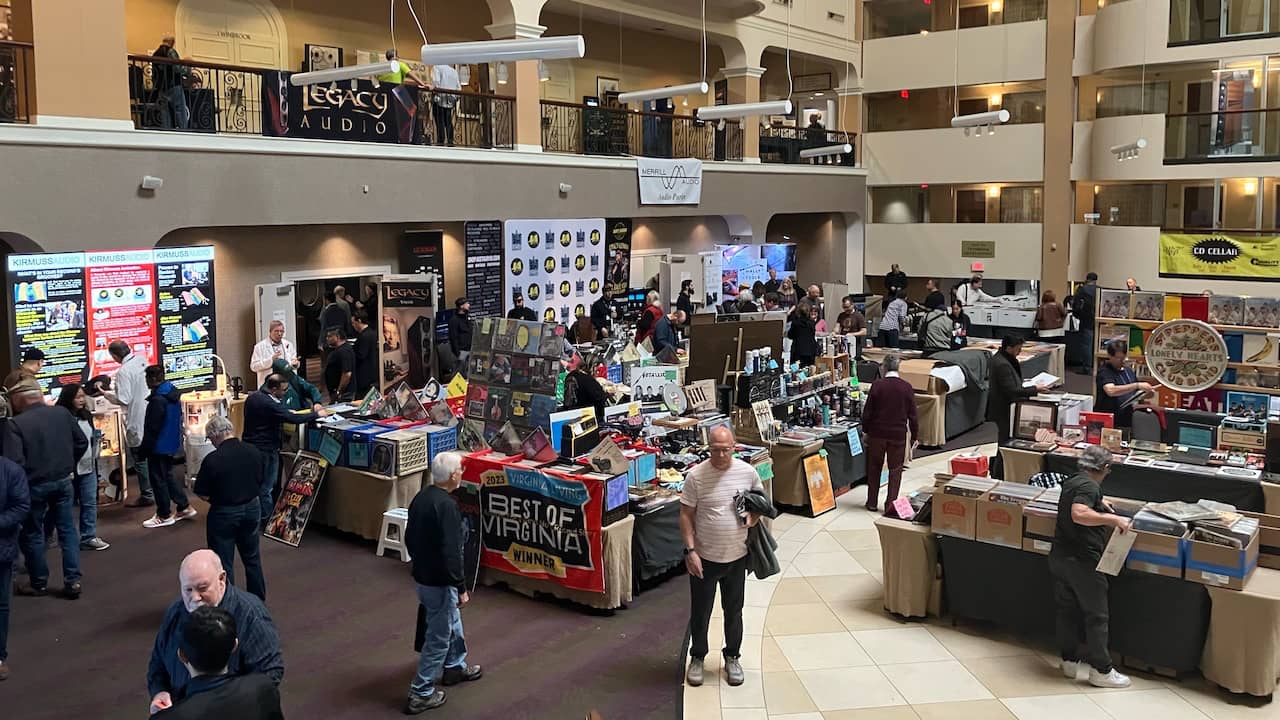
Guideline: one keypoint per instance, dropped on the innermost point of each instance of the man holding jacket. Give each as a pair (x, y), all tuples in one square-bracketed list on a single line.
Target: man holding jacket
[(161, 438)]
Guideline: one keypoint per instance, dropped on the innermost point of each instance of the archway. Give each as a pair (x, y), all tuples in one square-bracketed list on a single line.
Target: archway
[(233, 32)]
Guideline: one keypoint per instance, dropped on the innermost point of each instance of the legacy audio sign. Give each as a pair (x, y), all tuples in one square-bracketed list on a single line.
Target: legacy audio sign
[(72, 306), (358, 110)]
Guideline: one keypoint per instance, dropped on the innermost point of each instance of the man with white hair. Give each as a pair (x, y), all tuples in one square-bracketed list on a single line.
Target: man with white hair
[(434, 538), (204, 583), (714, 528), (274, 347), (230, 480)]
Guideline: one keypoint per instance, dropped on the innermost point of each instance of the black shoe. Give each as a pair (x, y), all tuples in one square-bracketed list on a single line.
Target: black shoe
[(31, 591), (72, 591), (470, 673), (416, 704)]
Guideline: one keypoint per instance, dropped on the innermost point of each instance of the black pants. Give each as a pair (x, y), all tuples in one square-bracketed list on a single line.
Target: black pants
[(889, 338), (166, 488), (235, 527), (444, 124), (732, 580), (1080, 595), (1003, 434)]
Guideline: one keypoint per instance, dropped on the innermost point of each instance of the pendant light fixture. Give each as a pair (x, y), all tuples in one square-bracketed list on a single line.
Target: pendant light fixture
[(672, 91), (1131, 150), (351, 72), (744, 110), (481, 51)]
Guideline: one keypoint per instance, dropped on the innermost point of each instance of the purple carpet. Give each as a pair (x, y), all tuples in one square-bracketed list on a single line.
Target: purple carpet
[(346, 620)]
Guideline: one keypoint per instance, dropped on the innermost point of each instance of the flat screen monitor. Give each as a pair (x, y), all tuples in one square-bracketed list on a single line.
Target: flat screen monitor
[(1196, 435)]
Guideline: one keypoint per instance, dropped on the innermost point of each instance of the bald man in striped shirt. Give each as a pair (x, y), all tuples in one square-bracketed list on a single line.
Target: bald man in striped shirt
[(715, 548)]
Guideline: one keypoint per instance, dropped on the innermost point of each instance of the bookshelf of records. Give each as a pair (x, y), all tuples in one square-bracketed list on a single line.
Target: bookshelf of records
[(512, 375), (1249, 326)]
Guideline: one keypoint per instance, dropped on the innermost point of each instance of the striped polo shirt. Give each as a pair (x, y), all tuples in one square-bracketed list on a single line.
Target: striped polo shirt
[(719, 534)]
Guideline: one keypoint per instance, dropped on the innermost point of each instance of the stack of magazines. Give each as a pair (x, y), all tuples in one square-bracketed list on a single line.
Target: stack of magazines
[(968, 486)]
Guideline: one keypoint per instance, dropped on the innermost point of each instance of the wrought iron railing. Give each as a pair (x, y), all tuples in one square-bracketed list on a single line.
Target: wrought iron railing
[(1224, 136), (459, 119), (783, 145), (193, 96), (17, 82), (586, 130)]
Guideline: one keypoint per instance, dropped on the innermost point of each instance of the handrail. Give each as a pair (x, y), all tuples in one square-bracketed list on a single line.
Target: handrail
[(16, 44), (1221, 112), (623, 110)]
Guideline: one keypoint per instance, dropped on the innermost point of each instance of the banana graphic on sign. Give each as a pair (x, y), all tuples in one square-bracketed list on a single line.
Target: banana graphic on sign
[(1264, 352)]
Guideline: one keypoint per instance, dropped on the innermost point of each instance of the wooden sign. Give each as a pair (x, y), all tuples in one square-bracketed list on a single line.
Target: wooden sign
[(818, 482)]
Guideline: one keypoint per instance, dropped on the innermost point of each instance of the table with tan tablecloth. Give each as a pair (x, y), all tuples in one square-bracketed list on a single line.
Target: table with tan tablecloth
[(910, 556), (932, 417), (617, 574), (1271, 498), (1242, 650), (354, 500), (1020, 465)]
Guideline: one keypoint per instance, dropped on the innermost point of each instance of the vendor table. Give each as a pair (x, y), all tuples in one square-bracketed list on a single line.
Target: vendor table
[(931, 416), (1242, 652), (910, 556), (1156, 485), (1157, 620), (354, 500), (847, 470), (617, 574), (656, 545)]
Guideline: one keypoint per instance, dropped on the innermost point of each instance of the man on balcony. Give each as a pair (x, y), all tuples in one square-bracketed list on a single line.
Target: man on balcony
[(444, 77), (170, 83), (404, 75)]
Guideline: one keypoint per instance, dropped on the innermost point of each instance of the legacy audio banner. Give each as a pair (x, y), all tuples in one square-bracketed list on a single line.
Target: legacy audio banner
[(544, 526), (72, 306), (422, 251), (555, 264), (618, 258), (1219, 255), (669, 182), (361, 112), (407, 336), (483, 242)]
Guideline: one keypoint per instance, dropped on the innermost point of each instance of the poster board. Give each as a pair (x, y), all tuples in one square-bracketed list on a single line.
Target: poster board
[(407, 345), (713, 337), (421, 252), (818, 484), (288, 520), (73, 305), (483, 243), (617, 271), (555, 264), (512, 374)]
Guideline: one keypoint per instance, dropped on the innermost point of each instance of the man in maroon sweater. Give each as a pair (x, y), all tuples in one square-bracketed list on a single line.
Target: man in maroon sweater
[(888, 415)]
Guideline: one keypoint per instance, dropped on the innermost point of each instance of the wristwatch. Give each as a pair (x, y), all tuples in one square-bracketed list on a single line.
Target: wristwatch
[(688, 550)]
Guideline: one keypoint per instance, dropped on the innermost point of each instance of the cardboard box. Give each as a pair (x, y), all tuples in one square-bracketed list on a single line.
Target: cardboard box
[(1221, 566), (1268, 539), (1038, 531), (916, 372), (1157, 554), (999, 514), (955, 509)]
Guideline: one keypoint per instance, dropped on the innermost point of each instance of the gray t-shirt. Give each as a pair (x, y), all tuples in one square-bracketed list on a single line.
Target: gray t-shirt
[(719, 533)]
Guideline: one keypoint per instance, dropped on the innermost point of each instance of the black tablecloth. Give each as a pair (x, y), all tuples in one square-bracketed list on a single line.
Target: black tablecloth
[(656, 546), (846, 470), (1157, 620), (1146, 483)]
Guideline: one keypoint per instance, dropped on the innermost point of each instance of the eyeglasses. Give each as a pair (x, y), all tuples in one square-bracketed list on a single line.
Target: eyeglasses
[(721, 451)]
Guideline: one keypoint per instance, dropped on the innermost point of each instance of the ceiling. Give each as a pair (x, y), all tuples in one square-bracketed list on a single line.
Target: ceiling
[(636, 13)]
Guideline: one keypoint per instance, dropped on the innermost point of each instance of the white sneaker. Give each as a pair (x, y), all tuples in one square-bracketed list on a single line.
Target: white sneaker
[(1070, 669), (96, 544), (156, 522), (1112, 679), (188, 514)]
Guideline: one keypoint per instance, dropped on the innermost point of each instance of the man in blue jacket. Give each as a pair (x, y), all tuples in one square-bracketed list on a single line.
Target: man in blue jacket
[(264, 416), (161, 438), (15, 503)]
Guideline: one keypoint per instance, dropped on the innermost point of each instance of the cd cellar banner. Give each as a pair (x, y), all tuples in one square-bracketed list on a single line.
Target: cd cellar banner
[(1220, 255), (72, 306), (557, 265)]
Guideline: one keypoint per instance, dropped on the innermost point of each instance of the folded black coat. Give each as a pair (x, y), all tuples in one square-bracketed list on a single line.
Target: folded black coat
[(762, 560)]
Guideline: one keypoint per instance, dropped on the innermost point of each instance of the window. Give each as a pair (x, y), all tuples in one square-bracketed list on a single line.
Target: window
[(898, 205), (974, 16), (1021, 205), (1118, 100), (1130, 205), (1025, 107), (971, 206)]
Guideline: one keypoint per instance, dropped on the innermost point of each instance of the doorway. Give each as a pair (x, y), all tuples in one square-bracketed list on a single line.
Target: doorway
[(1198, 207)]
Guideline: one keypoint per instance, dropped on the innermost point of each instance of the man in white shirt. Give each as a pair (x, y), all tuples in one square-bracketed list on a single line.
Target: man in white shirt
[(971, 293), (444, 77), (715, 549), (275, 347), (131, 393)]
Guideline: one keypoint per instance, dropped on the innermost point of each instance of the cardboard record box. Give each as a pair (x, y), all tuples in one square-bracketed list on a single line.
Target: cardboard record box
[(955, 508), (1221, 566), (1268, 539), (999, 513), (399, 452), (1040, 521)]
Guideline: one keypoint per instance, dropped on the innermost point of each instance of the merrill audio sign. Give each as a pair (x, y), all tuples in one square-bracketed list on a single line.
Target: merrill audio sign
[(669, 182)]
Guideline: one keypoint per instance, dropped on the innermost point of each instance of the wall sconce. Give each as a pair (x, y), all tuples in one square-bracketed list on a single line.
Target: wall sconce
[(996, 6), (1250, 187), (995, 100), (993, 192)]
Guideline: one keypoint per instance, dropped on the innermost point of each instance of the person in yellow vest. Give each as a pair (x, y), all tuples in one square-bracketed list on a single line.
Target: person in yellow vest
[(404, 75)]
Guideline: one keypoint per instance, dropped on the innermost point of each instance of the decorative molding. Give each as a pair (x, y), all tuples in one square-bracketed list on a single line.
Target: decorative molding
[(69, 122), (747, 72), (506, 31)]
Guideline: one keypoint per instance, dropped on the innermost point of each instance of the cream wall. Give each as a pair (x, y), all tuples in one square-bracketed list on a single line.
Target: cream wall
[(1132, 34), (1014, 154), (934, 249), (1119, 252), (682, 236), (990, 54), (1149, 165)]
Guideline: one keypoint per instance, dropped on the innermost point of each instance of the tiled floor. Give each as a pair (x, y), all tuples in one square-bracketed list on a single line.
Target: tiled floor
[(818, 645)]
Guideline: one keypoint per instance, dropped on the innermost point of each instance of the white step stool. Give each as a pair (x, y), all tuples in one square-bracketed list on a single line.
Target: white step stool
[(392, 536)]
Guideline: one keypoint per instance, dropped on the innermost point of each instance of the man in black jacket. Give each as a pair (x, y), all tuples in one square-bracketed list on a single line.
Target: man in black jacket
[(460, 332), (602, 311), (366, 351), (519, 311), (208, 640), (264, 416), (433, 536), (230, 480), (1083, 308), (51, 442), (1004, 375)]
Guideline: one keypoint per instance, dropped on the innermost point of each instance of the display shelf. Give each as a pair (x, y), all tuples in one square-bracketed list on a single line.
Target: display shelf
[(1248, 388), (1157, 323), (1137, 356)]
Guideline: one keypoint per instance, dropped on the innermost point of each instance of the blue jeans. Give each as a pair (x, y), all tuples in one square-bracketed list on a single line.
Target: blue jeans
[(175, 108), (58, 495), (235, 527), (270, 478), (144, 477), (6, 584), (445, 645), (87, 496)]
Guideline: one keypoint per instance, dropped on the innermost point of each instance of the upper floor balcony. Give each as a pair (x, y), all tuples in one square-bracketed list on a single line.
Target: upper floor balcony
[(17, 82), (1193, 22), (896, 18), (970, 55), (1198, 145), (1130, 34)]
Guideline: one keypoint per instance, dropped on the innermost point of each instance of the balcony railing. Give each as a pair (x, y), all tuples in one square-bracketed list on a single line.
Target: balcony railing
[(1192, 22), (783, 145), (17, 89), (213, 98), (896, 19), (1226, 136), (585, 130)]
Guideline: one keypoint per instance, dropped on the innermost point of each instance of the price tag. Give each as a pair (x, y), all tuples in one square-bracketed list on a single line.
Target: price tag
[(855, 442), (765, 471)]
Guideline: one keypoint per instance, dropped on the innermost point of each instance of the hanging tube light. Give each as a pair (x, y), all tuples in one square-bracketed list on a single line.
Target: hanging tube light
[(640, 96), (351, 72), (484, 51), (741, 110), (817, 152)]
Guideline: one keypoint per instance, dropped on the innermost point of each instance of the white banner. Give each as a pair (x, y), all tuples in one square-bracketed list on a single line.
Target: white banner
[(669, 182), (557, 265)]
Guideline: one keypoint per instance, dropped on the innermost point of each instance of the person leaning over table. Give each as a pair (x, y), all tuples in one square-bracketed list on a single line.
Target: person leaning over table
[(1004, 376), (1117, 385), (1079, 590), (301, 394), (264, 416)]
